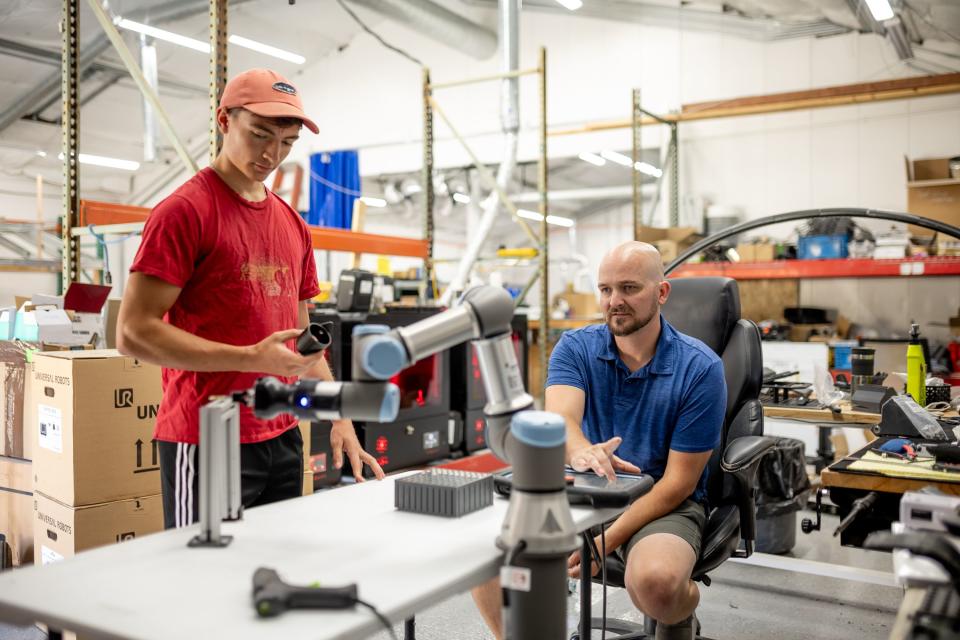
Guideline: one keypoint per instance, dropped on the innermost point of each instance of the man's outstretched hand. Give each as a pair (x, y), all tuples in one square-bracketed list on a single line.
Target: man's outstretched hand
[(600, 458)]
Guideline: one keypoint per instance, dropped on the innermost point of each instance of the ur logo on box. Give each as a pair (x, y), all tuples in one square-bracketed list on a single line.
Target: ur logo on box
[(124, 537), (122, 398)]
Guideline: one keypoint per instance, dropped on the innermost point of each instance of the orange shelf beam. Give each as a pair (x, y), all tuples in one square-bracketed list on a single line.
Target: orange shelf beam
[(344, 240), (324, 238), (94, 212)]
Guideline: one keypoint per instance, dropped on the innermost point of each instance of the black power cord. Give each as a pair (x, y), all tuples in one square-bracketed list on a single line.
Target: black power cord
[(382, 618), (363, 26)]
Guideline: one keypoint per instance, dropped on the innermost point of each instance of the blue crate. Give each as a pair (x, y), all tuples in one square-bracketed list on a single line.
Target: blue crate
[(822, 247), (842, 351)]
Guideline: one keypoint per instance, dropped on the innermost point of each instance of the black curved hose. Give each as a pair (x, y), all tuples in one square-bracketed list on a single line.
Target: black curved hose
[(848, 212)]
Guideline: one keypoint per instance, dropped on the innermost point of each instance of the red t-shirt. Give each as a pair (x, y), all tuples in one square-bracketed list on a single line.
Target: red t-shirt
[(243, 268)]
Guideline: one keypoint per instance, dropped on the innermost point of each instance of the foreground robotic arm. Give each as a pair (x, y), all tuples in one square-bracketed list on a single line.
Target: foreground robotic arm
[(538, 532)]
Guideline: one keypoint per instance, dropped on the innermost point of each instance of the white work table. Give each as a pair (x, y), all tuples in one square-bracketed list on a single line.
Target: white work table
[(157, 587)]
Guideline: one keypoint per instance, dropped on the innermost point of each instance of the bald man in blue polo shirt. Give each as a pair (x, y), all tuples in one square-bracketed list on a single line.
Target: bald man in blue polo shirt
[(638, 387)]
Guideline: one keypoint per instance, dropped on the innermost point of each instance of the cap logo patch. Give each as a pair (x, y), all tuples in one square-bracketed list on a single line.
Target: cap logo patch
[(285, 88)]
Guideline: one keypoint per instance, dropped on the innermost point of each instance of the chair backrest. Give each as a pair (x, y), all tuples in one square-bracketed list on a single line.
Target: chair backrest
[(709, 309)]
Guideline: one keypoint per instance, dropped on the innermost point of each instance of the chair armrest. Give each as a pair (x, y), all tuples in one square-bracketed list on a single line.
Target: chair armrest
[(745, 451), (741, 459)]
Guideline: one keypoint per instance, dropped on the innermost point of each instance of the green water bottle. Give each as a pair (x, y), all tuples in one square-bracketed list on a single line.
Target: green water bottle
[(916, 367)]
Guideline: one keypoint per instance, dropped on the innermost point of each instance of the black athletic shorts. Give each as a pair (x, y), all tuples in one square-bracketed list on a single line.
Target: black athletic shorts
[(270, 471)]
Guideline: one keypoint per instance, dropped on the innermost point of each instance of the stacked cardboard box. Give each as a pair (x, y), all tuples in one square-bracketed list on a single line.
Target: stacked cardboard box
[(96, 473), (16, 511), (932, 193)]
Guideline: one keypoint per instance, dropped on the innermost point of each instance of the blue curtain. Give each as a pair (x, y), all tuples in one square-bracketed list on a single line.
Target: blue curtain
[(334, 185)]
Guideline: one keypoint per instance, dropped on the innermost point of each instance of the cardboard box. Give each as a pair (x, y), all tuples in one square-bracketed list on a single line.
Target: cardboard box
[(307, 482), (932, 193), (756, 252), (16, 510), (947, 246), (92, 420), (581, 305), (61, 531), (669, 241), (812, 332), (304, 426), (13, 373), (111, 312)]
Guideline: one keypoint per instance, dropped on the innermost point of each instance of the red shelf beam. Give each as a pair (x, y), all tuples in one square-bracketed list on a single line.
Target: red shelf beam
[(324, 238), (843, 268)]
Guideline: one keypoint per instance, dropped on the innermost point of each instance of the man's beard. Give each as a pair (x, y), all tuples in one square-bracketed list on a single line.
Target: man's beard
[(625, 325)]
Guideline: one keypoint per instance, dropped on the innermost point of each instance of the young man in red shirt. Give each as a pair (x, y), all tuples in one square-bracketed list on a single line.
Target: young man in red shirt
[(216, 295)]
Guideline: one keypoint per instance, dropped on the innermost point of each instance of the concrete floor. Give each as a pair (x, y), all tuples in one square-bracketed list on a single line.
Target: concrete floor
[(743, 603)]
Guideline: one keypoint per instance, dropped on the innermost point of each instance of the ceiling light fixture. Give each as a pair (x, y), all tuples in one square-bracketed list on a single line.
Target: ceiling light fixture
[(572, 5), (163, 34), (648, 169), (462, 198), (560, 221), (289, 56), (204, 47), (592, 158), (880, 9), (618, 158), (104, 161), (370, 201)]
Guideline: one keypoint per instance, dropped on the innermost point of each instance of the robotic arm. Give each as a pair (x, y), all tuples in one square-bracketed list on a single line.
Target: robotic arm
[(538, 532), (483, 317)]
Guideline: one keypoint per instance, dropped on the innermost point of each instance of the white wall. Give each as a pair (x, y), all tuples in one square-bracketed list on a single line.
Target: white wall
[(368, 97)]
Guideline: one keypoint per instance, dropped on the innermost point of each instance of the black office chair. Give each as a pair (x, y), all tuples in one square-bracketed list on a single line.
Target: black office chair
[(709, 309)]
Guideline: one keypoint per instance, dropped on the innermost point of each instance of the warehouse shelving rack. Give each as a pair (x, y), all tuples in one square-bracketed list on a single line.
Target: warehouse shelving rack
[(541, 241), (111, 218)]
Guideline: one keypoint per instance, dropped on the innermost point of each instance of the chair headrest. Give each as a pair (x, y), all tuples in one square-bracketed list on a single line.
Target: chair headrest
[(707, 308)]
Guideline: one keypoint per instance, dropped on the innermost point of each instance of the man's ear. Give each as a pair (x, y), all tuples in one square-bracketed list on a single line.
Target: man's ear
[(223, 120), (664, 292)]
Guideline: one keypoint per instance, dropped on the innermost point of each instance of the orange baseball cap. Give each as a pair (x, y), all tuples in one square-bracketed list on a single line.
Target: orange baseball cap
[(265, 93)]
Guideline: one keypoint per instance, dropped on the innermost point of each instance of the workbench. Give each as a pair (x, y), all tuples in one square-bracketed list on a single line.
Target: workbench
[(846, 486), (156, 587)]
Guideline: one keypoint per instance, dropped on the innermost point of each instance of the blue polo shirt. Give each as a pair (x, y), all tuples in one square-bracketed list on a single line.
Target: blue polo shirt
[(676, 401)]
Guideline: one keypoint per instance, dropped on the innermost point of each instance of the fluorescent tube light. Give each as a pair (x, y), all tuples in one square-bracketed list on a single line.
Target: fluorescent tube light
[(560, 221), (104, 161), (880, 9), (462, 198), (592, 158), (619, 158), (240, 41), (204, 47), (370, 201), (162, 34), (573, 5), (533, 215), (649, 169)]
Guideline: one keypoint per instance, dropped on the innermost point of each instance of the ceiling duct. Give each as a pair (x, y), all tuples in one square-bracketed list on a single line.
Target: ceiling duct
[(689, 19), (48, 90), (438, 23)]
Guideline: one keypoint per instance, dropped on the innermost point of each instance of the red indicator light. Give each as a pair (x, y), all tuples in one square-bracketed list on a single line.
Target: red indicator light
[(383, 461), (382, 444), (420, 400), (479, 440), (478, 425)]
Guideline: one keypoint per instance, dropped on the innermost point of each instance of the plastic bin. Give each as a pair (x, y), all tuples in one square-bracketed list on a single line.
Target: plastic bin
[(822, 247)]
